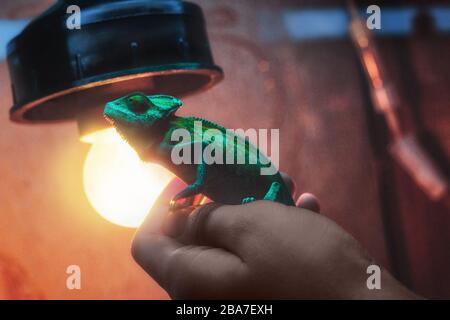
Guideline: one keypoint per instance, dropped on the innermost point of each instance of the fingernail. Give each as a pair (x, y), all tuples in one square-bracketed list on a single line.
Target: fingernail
[(175, 222)]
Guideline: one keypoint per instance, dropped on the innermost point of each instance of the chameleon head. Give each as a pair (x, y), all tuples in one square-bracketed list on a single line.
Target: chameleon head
[(136, 117)]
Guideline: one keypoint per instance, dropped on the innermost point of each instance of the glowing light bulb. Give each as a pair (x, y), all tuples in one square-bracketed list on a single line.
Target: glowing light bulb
[(120, 187)]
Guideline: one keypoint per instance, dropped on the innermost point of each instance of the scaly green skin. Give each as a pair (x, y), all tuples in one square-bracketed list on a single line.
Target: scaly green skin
[(147, 123)]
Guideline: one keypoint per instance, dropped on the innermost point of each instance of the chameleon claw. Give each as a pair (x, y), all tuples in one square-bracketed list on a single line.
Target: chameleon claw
[(177, 204), (248, 200), (272, 193)]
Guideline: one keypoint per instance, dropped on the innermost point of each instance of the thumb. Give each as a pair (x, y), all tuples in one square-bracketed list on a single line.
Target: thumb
[(308, 201)]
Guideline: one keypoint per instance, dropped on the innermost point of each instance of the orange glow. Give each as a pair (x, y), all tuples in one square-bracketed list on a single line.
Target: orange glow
[(120, 187), (372, 69)]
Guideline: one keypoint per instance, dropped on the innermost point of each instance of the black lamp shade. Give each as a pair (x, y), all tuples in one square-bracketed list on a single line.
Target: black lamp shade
[(153, 46)]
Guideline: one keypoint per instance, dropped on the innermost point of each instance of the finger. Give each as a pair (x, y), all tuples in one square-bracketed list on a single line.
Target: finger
[(158, 213), (289, 183), (189, 271), (200, 272), (217, 225), (175, 222), (151, 249), (153, 252), (184, 270), (308, 201)]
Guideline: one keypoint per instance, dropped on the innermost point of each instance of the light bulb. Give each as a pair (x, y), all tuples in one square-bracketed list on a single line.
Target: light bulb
[(119, 185)]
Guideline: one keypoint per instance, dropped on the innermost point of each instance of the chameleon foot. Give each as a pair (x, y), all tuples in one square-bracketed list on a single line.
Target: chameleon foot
[(177, 204), (272, 194), (248, 200), (194, 188)]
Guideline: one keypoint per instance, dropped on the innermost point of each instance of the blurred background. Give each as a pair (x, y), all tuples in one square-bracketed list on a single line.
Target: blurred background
[(290, 65)]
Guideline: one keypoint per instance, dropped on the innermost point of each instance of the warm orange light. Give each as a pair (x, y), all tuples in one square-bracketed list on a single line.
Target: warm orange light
[(120, 187), (373, 70)]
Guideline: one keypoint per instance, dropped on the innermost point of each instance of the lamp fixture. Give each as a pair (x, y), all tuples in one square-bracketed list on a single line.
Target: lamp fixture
[(58, 74)]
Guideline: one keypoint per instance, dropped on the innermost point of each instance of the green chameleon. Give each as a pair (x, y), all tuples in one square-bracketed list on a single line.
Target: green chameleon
[(148, 123)]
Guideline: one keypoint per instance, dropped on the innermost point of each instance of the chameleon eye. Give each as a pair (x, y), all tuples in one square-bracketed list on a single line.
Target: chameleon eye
[(138, 106)]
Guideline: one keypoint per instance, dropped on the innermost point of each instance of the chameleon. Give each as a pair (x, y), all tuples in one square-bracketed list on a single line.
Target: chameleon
[(148, 124)]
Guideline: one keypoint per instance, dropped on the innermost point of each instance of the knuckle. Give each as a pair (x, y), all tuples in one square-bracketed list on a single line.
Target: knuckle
[(255, 214), (241, 225)]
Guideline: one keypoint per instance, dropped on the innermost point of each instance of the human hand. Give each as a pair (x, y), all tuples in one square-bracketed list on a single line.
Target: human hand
[(258, 250)]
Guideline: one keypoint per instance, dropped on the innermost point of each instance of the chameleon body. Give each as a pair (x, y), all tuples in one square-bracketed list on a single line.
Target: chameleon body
[(148, 123)]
